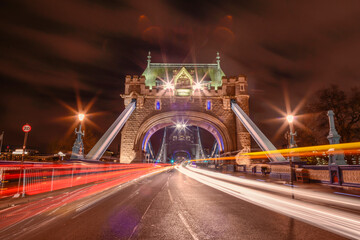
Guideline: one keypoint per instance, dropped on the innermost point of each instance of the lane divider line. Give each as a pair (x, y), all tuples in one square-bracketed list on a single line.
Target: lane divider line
[(187, 226)]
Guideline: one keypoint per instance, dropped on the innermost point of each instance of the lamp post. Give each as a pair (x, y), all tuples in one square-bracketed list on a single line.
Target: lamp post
[(78, 148), (292, 144)]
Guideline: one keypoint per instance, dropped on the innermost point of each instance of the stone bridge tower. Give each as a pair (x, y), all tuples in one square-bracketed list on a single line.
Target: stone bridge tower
[(199, 94)]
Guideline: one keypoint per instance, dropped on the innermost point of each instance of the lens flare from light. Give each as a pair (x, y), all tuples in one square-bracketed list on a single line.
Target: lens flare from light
[(290, 118), (81, 117), (169, 86), (197, 86)]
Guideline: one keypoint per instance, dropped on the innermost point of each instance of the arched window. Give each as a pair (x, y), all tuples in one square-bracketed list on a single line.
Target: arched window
[(157, 104), (208, 105)]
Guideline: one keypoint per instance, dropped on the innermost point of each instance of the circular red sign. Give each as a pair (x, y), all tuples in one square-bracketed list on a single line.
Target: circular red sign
[(26, 128)]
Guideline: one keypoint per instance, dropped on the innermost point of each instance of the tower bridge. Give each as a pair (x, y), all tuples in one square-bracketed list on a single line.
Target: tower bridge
[(198, 95)]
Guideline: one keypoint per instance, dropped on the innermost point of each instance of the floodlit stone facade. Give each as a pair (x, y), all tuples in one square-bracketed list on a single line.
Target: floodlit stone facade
[(199, 94)]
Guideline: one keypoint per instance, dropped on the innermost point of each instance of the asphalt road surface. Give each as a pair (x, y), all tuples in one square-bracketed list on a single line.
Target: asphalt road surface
[(169, 205)]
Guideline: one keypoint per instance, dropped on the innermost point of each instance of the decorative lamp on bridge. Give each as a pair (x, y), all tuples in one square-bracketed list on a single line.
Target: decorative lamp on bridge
[(290, 118), (197, 86), (78, 147), (81, 117), (180, 126), (169, 86)]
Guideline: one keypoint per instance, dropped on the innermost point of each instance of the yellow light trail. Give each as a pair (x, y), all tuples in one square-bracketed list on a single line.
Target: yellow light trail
[(301, 151)]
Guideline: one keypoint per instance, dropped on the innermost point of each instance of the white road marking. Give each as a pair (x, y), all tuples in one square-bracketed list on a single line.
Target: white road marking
[(171, 198), (187, 226)]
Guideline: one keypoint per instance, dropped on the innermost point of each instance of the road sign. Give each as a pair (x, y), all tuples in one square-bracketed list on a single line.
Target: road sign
[(26, 128)]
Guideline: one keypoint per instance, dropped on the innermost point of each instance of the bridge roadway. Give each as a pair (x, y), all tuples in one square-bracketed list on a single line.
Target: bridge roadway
[(169, 205)]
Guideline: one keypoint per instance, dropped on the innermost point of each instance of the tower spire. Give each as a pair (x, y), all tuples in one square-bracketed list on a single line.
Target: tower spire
[(218, 60), (149, 59)]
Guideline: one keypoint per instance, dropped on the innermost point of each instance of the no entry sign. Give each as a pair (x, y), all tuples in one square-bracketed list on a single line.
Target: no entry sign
[(26, 128)]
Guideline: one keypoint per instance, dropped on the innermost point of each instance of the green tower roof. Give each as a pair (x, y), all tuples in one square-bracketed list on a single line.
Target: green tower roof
[(209, 72)]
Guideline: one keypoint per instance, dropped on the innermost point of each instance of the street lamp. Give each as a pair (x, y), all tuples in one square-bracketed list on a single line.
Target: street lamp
[(180, 126), (197, 86), (81, 117), (292, 144), (78, 147), (169, 86), (290, 118)]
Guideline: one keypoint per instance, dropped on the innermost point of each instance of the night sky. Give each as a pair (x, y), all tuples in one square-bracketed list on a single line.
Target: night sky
[(53, 51)]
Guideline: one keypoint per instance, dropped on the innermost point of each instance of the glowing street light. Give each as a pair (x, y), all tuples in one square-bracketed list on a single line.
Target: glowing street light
[(169, 86), (78, 147), (81, 116), (292, 144), (180, 126), (290, 118), (197, 86)]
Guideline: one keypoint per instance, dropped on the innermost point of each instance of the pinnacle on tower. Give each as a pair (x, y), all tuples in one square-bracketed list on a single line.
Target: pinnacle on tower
[(218, 60), (149, 59)]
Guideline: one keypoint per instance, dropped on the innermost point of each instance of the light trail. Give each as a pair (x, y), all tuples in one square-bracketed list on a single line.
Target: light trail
[(16, 214), (339, 222), (341, 148), (41, 178), (298, 192)]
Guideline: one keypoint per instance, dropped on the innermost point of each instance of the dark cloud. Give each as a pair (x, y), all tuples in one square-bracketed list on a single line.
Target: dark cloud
[(49, 50)]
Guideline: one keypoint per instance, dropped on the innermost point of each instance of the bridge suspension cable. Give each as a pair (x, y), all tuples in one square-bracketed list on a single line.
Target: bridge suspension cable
[(150, 150), (162, 150), (215, 150), (100, 147), (201, 149), (263, 142)]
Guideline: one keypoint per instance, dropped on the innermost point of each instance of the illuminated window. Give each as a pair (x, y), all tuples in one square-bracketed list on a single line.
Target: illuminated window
[(208, 105), (157, 105)]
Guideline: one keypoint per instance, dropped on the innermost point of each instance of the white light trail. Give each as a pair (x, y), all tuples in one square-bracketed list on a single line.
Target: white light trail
[(323, 197), (339, 222)]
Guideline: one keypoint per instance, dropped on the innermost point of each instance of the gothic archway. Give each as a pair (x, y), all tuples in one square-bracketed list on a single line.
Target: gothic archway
[(203, 120)]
